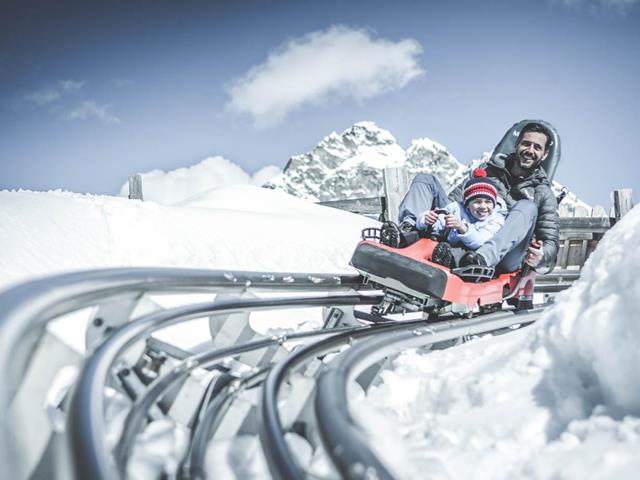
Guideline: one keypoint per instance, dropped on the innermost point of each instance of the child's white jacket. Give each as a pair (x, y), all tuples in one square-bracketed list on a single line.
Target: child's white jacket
[(478, 232)]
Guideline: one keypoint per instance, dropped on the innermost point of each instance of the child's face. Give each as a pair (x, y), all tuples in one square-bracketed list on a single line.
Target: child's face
[(480, 208)]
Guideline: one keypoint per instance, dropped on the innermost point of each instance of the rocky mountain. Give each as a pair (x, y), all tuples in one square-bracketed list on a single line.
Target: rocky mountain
[(349, 165)]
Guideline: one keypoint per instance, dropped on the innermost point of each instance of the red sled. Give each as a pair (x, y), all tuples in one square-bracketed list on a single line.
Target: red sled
[(413, 282)]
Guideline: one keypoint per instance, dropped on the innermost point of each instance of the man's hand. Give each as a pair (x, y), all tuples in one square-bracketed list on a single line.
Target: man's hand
[(430, 217), (451, 221), (534, 253)]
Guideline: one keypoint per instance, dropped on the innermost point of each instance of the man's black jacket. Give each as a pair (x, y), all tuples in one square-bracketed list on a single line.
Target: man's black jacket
[(535, 187)]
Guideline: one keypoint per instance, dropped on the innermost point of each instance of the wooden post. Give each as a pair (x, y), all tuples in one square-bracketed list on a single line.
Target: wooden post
[(622, 202), (396, 185), (135, 187)]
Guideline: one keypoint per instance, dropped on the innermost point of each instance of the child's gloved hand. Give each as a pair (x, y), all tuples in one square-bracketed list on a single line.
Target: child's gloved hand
[(430, 217), (451, 221)]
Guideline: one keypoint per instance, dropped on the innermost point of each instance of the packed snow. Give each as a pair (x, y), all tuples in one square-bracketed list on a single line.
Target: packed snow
[(240, 227), (558, 399), (176, 186)]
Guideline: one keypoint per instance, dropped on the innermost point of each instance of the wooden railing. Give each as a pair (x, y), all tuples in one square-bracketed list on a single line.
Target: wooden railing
[(579, 235)]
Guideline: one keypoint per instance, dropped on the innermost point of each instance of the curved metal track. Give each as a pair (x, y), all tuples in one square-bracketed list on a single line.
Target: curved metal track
[(192, 466), (86, 423), (26, 309), (342, 439), (281, 460)]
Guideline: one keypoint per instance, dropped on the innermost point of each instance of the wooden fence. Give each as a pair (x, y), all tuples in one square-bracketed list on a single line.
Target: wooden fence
[(579, 235)]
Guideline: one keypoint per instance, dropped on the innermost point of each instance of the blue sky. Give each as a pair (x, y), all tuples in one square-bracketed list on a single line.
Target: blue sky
[(92, 93)]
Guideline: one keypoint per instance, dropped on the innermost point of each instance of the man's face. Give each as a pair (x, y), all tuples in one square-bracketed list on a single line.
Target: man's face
[(531, 150), (480, 208)]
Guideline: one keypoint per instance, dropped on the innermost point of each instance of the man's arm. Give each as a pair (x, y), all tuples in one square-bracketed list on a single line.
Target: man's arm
[(455, 195), (547, 228)]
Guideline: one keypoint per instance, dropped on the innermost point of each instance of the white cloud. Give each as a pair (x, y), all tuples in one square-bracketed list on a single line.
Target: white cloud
[(53, 93), (620, 6), (92, 110), (321, 66)]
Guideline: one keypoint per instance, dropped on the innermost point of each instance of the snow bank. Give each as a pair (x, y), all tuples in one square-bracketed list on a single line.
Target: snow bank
[(240, 227), (556, 400), (593, 333), (175, 186)]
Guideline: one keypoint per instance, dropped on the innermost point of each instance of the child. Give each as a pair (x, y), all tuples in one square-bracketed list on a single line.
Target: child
[(472, 222)]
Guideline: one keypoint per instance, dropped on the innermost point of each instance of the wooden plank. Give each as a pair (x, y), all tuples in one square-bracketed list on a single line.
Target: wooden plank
[(592, 244), (564, 253), (583, 252), (558, 275), (575, 252), (396, 185), (135, 187), (575, 235), (622, 202), (597, 224)]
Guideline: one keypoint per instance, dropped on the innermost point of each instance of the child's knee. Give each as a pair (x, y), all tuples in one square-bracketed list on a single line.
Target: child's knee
[(424, 178)]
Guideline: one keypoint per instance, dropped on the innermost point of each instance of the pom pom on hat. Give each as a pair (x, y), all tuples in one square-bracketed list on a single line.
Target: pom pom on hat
[(479, 172)]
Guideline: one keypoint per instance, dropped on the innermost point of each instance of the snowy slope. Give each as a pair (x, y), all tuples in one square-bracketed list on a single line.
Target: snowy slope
[(556, 400), (240, 227), (175, 186), (559, 399)]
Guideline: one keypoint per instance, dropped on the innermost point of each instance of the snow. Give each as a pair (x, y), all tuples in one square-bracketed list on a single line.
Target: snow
[(175, 186), (594, 330), (53, 232), (558, 399)]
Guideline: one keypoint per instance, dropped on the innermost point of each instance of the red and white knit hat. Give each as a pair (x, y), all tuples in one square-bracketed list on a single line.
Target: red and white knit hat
[(479, 186)]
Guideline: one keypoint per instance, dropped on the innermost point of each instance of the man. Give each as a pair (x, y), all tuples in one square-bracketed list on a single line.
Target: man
[(533, 210)]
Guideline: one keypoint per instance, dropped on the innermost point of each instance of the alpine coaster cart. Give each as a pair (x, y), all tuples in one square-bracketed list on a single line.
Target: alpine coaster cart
[(412, 282)]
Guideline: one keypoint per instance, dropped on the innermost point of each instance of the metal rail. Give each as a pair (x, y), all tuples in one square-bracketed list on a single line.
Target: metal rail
[(192, 466), (282, 462), (25, 310), (161, 385), (342, 438), (86, 417)]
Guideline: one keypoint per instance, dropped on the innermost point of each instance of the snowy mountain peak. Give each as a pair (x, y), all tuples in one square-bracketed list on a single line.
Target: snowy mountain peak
[(425, 155), (350, 165), (369, 134), (364, 139)]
